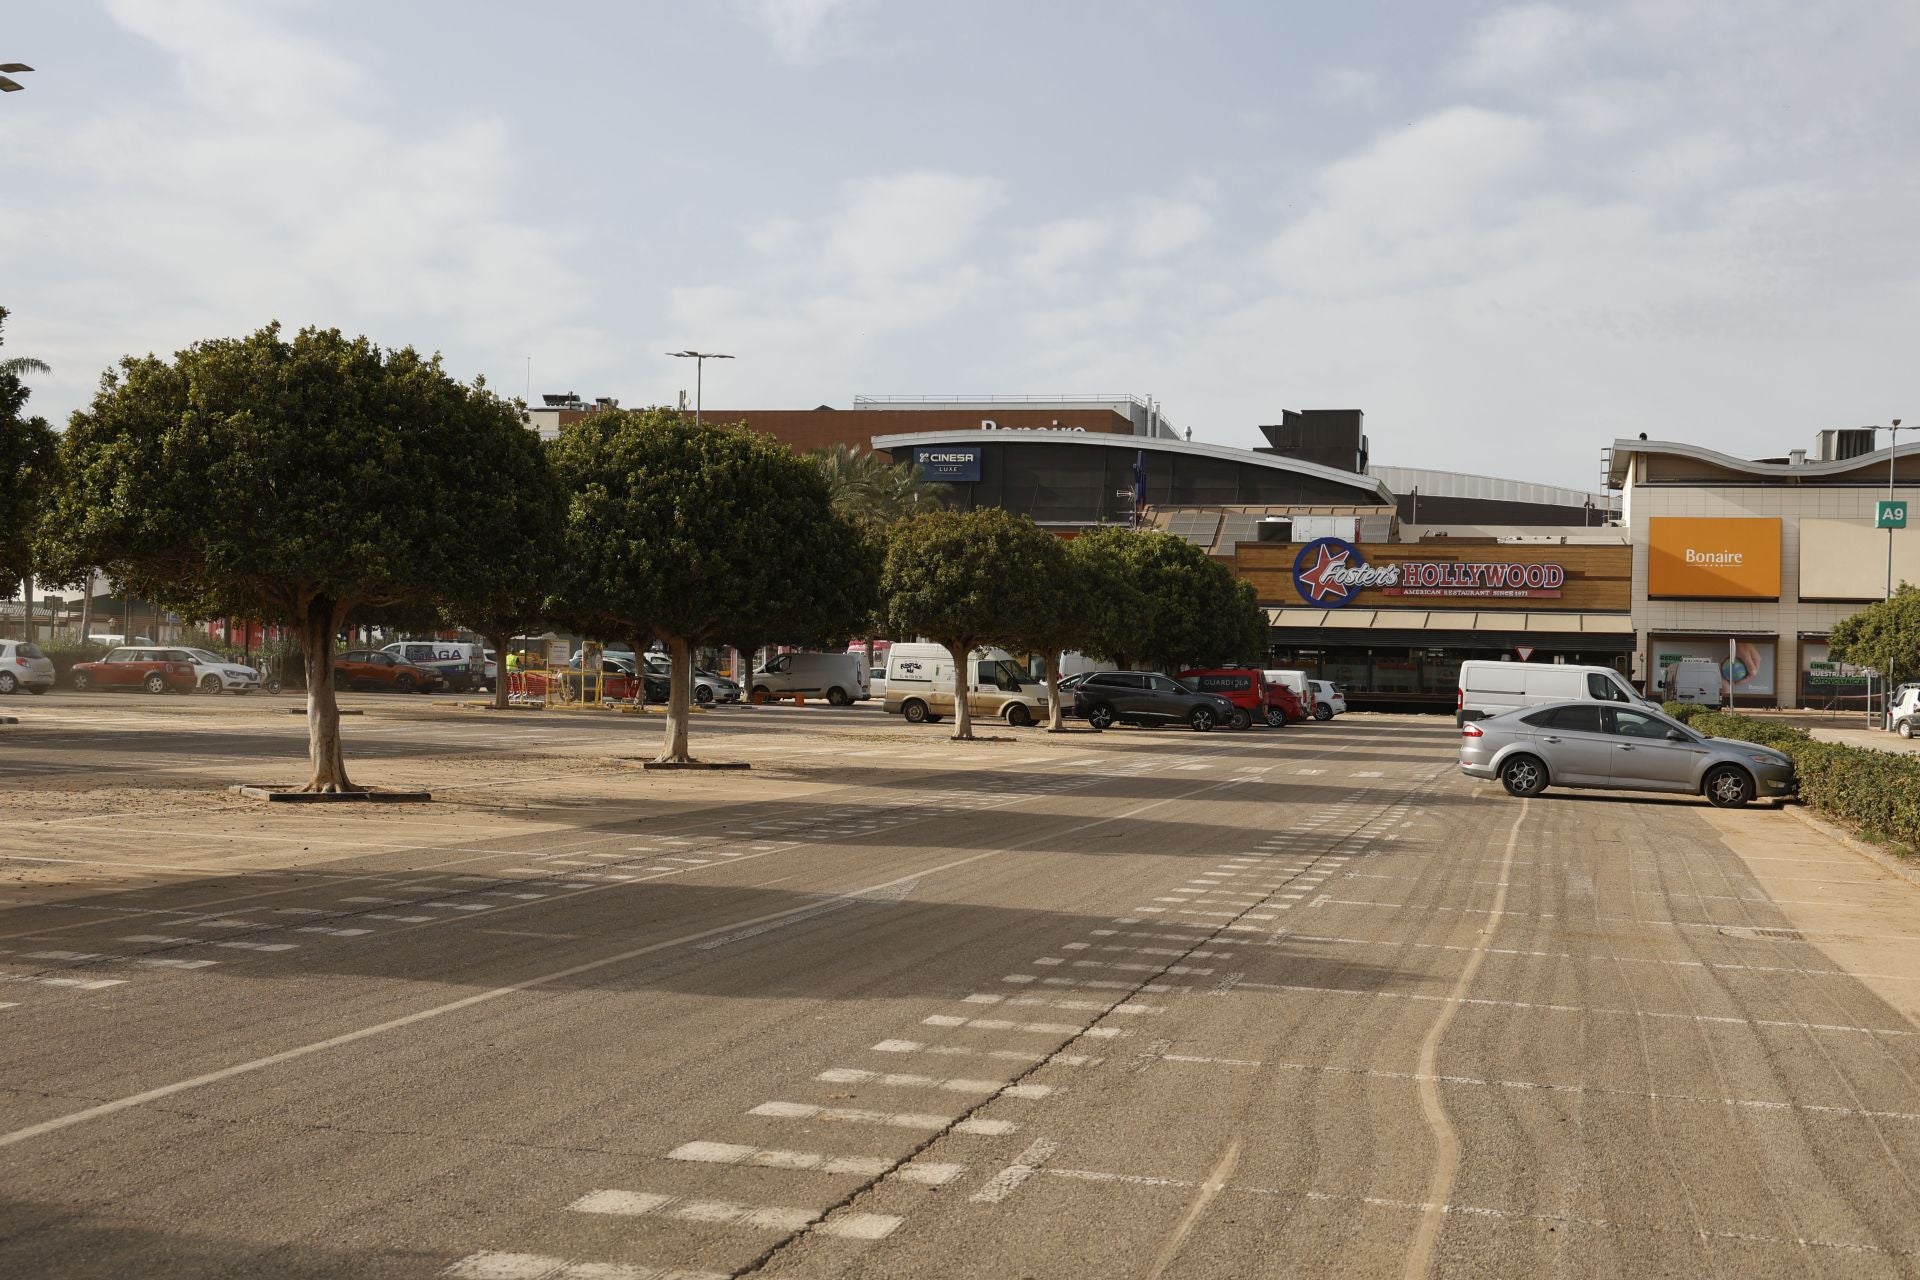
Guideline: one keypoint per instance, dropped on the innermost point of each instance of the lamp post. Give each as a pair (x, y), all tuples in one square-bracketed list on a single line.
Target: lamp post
[(1893, 444), (7, 83), (699, 359)]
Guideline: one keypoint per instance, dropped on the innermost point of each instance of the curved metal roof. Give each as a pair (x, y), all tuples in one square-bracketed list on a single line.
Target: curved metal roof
[(1767, 471), (1358, 483)]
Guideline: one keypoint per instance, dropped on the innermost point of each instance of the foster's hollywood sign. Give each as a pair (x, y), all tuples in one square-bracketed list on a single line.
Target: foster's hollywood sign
[(1330, 573)]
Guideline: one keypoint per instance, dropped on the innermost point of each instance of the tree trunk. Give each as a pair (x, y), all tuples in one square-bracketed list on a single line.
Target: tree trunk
[(86, 609), (679, 702), (1056, 715), (744, 658), (962, 652), (499, 643), (317, 628), (27, 596)]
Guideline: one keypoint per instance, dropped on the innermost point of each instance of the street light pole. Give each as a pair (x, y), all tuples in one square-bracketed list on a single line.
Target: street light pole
[(1893, 446), (699, 359)]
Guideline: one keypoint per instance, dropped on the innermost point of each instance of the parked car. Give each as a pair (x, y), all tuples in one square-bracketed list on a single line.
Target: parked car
[(708, 687), (1250, 694), (1904, 715), (1329, 699), (1489, 688), (24, 666), (877, 683), (382, 672), (920, 685), (840, 678), (155, 670), (1106, 698), (1619, 748), (215, 674), (460, 665), (620, 679)]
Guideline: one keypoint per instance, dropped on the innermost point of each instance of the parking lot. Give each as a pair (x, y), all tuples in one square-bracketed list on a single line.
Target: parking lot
[(1147, 1002)]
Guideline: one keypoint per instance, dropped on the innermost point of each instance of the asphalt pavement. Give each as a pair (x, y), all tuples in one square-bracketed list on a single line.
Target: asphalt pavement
[(1146, 1003)]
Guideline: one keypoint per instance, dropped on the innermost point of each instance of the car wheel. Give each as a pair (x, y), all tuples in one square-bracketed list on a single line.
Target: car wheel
[(760, 696), (1018, 716), (210, 684), (1101, 716), (7, 682), (82, 682), (914, 710), (403, 683), (155, 683), (703, 695), (38, 689), (1322, 711), (1904, 728), (1201, 720), (837, 697), (1729, 787), (1276, 718), (1523, 776), (1240, 719)]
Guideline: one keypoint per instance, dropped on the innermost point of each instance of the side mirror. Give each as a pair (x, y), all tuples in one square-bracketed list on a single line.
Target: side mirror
[(1674, 735)]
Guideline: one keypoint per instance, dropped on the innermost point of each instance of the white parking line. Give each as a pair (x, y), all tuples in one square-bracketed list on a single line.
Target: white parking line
[(930, 1173), (897, 1080), (890, 1119)]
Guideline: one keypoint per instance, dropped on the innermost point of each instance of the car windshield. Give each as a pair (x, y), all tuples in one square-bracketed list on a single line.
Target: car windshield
[(201, 655), (1002, 673)]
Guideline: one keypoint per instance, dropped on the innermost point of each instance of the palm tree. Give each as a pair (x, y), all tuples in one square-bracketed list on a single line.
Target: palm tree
[(868, 490), (21, 366)]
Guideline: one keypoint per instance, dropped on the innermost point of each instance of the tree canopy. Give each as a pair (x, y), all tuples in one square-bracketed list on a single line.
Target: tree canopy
[(700, 534), (292, 480), (1189, 609), (963, 579), (871, 491), (1884, 636), (28, 468)]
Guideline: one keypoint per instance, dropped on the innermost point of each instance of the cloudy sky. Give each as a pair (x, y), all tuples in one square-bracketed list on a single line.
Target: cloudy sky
[(1508, 233)]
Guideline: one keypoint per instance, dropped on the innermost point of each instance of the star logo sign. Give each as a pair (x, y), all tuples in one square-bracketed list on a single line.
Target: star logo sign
[(1319, 580)]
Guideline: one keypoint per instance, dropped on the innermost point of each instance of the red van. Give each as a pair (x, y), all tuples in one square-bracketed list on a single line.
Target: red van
[(1252, 697)]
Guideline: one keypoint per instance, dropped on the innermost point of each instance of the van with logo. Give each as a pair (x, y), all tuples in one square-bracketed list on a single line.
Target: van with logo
[(462, 665), (1490, 688), (920, 685)]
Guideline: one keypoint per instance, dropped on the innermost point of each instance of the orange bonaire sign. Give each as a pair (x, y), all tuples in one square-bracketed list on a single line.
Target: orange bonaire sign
[(1713, 559)]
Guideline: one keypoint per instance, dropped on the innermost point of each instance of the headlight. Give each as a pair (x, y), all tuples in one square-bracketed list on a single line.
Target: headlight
[(1757, 758)]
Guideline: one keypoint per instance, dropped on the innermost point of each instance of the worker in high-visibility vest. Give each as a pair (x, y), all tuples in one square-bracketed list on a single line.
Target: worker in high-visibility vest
[(513, 662)]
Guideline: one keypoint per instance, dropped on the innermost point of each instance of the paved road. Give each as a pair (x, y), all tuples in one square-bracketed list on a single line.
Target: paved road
[(1137, 1004)]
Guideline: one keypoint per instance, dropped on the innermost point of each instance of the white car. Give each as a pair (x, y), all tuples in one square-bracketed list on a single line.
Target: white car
[(23, 666), (216, 675), (1328, 700), (877, 683), (1904, 716)]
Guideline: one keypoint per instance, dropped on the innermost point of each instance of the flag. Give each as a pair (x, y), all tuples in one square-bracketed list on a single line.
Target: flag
[(1139, 483)]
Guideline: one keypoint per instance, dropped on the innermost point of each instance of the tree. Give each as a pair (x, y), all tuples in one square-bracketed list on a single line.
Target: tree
[(1884, 636), (1088, 603), (963, 579), (698, 534), (525, 526), (1116, 615), (1192, 610), (872, 492), (21, 366), (295, 481), (28, 471)]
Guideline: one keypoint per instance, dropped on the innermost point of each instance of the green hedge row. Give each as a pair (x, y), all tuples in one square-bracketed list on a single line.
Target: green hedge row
[(1876, 791)]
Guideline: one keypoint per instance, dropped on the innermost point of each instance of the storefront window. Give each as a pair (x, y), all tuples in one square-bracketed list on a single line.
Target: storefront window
[(1826, 683), (1750, 665)]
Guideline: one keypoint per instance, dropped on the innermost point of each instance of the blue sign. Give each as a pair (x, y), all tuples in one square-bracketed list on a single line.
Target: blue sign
[(949, 464), (1330, 572)]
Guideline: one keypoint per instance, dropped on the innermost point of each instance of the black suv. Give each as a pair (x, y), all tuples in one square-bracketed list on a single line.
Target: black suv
[(1145, 697)]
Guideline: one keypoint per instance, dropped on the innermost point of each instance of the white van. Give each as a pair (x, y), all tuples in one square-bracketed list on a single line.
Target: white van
[(1695, 680), (920, 685), (1489, 688), (1904, 715), (840, 678)]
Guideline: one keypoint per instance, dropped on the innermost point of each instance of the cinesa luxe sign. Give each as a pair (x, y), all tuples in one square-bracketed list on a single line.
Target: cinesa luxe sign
[(1331, 572)]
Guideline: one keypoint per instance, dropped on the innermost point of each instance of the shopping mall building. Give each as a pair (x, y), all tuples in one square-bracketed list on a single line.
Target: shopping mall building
[(1385, 579)]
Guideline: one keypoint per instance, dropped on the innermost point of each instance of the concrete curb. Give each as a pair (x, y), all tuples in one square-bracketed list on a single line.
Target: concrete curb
[(286, 795), (693, 764), (1853, 844)]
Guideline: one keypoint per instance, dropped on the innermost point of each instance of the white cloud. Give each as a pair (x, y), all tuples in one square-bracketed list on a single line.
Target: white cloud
[(1525, 44), (906, 223), (796, 28), (1165, 227)]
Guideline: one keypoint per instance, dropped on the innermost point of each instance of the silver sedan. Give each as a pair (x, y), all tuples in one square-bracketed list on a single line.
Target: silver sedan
[(1618, 748)]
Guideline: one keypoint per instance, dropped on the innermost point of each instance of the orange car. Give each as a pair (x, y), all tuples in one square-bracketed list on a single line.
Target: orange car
[(382, 673)]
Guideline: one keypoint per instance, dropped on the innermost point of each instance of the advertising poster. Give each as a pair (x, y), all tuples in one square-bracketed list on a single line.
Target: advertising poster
[(1751, 670), (1826, 678), (1713, 559)]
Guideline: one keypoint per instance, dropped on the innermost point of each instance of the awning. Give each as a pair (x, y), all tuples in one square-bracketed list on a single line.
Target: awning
[(1504, 621)]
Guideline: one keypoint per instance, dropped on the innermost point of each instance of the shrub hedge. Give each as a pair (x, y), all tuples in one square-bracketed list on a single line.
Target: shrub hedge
[(1876, 791)]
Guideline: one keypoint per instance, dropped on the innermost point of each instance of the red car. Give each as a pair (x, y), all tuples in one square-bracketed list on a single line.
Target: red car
[(383, 672), (155, 670), (1252, 697)]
